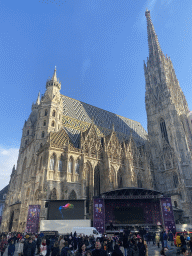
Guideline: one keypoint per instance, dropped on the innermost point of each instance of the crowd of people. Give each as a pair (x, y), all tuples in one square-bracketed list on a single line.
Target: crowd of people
[(124, 244)]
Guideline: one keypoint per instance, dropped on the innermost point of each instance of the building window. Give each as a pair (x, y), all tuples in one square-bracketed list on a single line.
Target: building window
[(163, 130), (44, 123), (52, 162), (42, 134), (41, 145), (77, 165), (26, 142), (53, 124), (175, 204), (53, 114), (175, 181), (28, 132), (60, 164), (70, 165), (46, 112), (139, 182)]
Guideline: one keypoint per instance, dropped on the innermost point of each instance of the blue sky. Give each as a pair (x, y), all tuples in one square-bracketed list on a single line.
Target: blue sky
[(98, 47)]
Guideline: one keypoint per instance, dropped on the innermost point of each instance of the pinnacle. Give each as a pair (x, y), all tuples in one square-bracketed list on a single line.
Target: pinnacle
[(54, 77)]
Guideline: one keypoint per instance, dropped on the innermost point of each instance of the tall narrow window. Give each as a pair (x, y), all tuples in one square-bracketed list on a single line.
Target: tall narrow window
[(97, 181), (53, 113), (70, 165), (42, 134), (46, 112), (52, 162), (53, 124), (139, 182), (44, 123), (120, 179), (175, 180), (28, 132), (60, 164), (163, 130), (77, 165)]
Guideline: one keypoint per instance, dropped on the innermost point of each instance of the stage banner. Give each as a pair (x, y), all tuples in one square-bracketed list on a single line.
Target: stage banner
[(99, 215), (167, 213), (33, 218)]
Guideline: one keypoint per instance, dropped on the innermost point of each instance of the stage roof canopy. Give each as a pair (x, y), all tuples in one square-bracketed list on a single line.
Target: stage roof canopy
[(131, 193)]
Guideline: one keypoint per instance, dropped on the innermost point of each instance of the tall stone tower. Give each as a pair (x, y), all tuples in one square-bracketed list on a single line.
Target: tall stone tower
[(168, 128)]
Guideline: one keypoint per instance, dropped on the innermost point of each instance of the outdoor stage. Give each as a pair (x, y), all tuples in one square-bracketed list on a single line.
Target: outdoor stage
[(127, 208)]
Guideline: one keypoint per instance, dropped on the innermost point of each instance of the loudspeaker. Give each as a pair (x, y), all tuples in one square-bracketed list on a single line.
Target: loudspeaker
[(46, 204)]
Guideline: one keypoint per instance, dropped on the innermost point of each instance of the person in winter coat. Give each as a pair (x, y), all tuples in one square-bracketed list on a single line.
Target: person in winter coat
[(11, 248), (81, 250), (171, 237), (178, 240), (157, 239), (20, 247), (117, 251), (98, 251), (142, 248), (55, 249), (190, 246), (61, 243), (3, 245), (134, 250), (65, 249), (43, 248), (125, 243), (165, 239), (161, 239), (38, 243), (28, 248)]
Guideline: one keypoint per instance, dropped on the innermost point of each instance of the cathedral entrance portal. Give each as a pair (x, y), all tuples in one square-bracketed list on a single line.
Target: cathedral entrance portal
[(11, 221)]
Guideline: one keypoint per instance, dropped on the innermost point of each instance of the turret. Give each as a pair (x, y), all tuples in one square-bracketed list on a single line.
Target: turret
[(50, 110)]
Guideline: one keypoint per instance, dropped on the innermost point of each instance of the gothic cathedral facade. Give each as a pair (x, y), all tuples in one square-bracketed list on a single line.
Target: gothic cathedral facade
[(73, 150)]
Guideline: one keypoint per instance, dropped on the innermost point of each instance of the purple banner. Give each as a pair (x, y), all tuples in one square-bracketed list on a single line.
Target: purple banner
[(167, 212), (33, 218), (99, 215)]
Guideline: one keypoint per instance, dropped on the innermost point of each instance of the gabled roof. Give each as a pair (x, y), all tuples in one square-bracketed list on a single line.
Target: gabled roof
[(79, 115), (59, 139)]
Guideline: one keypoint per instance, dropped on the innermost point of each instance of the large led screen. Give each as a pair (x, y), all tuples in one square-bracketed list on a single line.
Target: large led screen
[(66, 210), (128, 215)]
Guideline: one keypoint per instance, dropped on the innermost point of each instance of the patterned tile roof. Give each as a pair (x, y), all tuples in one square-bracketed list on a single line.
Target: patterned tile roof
[(79, 115), (59, 139)]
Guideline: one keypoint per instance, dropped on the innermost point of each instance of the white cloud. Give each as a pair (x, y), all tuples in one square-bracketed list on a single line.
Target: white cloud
[(8, 157)]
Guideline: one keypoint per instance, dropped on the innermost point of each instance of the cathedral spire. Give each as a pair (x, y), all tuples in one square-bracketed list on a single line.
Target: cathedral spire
[(155, 51), (54, 78)]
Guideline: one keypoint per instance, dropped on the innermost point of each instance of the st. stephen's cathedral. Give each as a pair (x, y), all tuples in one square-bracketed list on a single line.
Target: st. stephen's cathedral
[(73, 150)]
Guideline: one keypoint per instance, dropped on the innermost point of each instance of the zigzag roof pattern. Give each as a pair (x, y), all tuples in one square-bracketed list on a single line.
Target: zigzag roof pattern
[(59, 139), (104, 120)]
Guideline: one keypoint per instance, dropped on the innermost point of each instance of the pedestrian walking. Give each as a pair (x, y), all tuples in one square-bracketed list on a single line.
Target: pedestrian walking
[(11, 248)]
